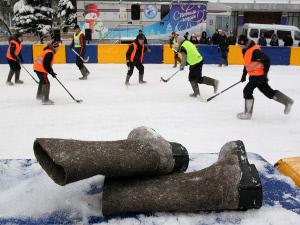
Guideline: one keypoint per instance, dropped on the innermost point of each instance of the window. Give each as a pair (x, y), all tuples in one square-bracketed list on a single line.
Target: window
[(297, 35), (164, 11), (245, 31), (267, 33), (135, 12), (282, 33), (254, 33)]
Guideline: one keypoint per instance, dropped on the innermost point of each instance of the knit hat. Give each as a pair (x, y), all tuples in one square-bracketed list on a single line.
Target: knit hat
[(180, 39), (140, 36), (242, 40), (55, 44)]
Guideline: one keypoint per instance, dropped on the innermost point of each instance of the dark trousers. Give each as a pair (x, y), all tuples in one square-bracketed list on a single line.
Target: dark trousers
[(176, 58), (43, 77), (138, 65), (196, 73), (260, 82), (14, 65), (224, 57), (79, 61)]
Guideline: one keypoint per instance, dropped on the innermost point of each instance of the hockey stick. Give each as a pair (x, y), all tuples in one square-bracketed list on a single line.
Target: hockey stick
[(210, 98), (169, 78), (29, 73), (84, 60), (76, 100)]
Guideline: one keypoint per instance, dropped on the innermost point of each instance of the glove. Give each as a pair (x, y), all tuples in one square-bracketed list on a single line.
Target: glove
[(181, 67), (53, 75), (128, 63), (243, 79)]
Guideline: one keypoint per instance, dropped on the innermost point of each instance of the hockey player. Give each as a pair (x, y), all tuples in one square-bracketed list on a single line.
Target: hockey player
[(191, 56), (14, 56), (134, 58), (174, 46), (79, 44), (42, 66), (257, 65)]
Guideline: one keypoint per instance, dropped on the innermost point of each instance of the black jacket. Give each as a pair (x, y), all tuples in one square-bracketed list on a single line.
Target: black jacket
[(47, 60), (231, 40), (13, 49), (288, 41), (259, 56), (223, 43), (137, 54)]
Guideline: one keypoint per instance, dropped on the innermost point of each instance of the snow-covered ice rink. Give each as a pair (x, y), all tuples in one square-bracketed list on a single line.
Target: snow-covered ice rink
[(110, 110)]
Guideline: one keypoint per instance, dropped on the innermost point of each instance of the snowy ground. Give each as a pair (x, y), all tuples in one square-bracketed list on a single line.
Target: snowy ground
[(110, 110)]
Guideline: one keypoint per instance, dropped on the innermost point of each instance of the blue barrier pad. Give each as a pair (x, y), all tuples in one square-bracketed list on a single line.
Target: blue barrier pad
[(210, 54), (155, 56), (29, 196), (278, 55), (3, 50), (26, 53), (91, 52)]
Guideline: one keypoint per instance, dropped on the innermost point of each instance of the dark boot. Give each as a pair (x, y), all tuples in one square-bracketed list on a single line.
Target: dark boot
[(87, 72), (46, 91), (175, 64), (127, 80), (247, 114), (211, 82), (84, 73), (283, 99), (10, 75), (17, 77), (39, 94), (195, 88), (141, 79)]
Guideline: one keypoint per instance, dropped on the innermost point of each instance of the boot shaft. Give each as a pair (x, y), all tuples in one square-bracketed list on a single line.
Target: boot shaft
[(141, 79), (285, 100), (195, 88), (247, 114), (211, 82)]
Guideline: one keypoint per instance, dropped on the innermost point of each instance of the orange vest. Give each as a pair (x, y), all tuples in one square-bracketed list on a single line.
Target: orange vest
[(134, 51), (253, 68), (17, 51), (38, 62)]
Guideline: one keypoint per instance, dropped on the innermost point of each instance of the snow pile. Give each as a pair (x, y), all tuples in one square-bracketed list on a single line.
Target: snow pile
[(32, 17), (67, 12)]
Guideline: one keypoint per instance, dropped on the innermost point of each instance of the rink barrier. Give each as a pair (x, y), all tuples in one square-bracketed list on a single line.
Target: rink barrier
[(291, 168), (155, 55), (235, 56), (210, 53), (112, 53), (168, 54), (26, 53), (278, 55), (116, 53), (59, 57), (295, 56), (91, 51)]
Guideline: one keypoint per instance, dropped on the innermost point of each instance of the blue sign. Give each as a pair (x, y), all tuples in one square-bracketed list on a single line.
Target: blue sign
[(150, 11)]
